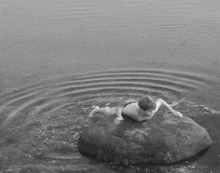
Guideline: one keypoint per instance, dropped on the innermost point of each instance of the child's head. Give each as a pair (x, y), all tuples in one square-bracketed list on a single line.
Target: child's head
[(146, 103)]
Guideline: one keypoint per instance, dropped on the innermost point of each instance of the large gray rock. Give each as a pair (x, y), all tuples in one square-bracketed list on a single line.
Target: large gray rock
[(163, 139)]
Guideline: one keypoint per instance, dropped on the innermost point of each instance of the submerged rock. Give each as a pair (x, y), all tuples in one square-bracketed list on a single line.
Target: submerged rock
[(163, 139)]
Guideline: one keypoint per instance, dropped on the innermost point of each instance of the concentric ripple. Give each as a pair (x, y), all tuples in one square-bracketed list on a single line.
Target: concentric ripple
[(43, 121), (60, 92)]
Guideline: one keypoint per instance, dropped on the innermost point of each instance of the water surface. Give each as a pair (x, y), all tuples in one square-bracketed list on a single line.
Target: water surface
[(61, 58)]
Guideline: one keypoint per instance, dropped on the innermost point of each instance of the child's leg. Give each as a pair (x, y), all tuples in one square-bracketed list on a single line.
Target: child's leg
[(106, 110), (109, 111), (96, 109)]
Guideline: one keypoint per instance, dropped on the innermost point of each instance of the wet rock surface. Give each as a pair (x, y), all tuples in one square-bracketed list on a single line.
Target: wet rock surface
[(164, 139)]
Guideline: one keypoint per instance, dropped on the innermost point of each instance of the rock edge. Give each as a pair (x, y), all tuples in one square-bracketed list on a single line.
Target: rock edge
[(164, 139)]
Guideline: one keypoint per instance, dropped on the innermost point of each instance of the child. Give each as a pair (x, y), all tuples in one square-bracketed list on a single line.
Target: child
[(142, 110)]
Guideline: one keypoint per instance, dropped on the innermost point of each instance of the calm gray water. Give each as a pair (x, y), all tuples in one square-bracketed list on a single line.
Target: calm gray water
[(60, 58)]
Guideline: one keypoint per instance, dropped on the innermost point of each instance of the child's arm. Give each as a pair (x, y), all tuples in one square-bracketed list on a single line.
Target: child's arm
[(118, 113), (159, 103)]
